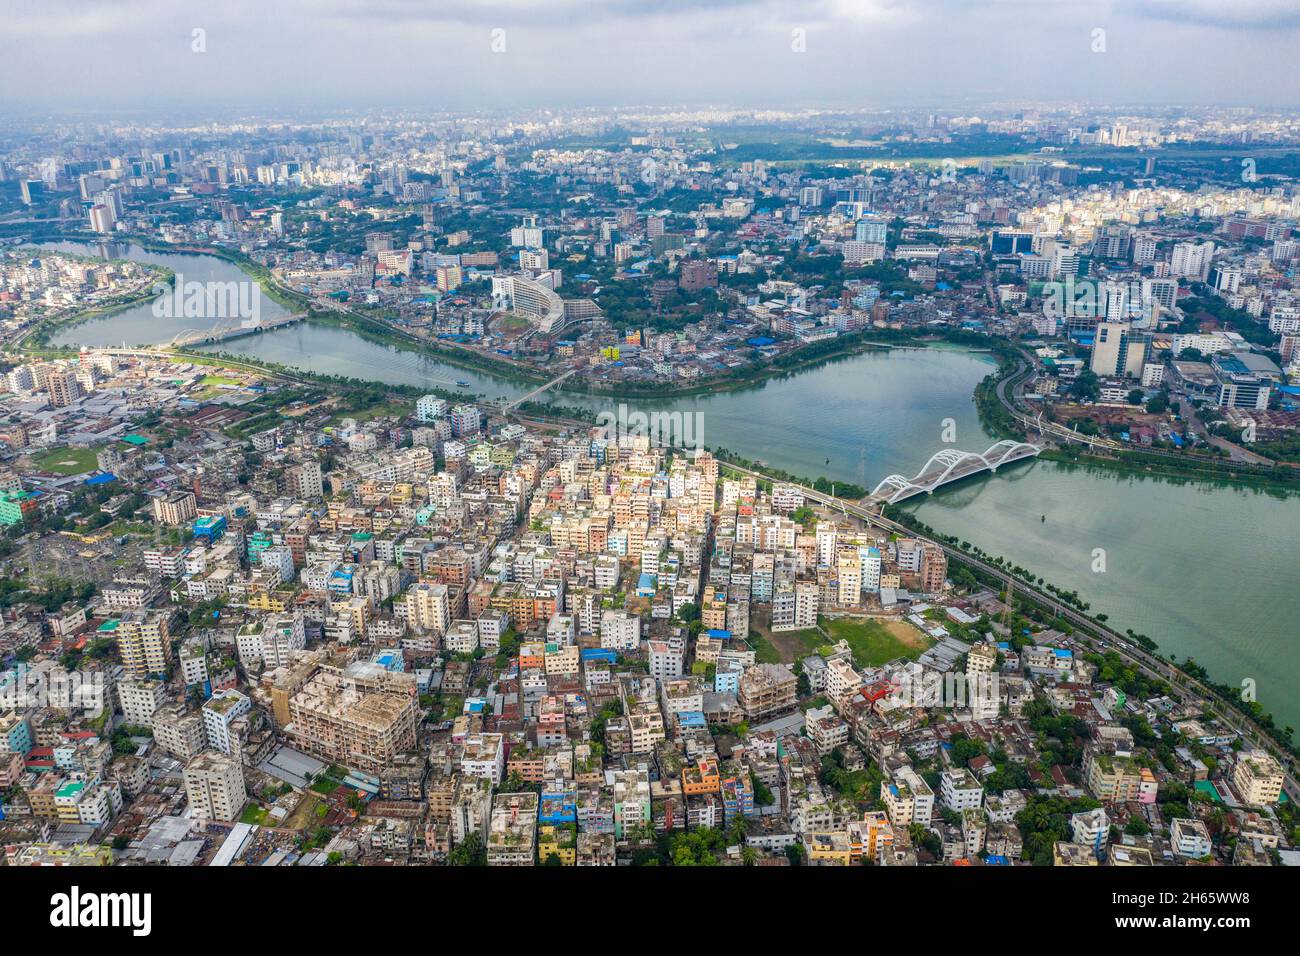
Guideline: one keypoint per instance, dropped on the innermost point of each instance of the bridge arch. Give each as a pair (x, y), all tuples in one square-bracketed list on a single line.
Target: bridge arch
[(893, 488)]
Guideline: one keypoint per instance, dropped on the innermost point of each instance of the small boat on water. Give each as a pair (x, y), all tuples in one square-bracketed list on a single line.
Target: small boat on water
[(462, 383)]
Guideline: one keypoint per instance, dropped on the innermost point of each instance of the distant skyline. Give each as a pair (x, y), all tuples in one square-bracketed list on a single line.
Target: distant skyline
[(274, 56)]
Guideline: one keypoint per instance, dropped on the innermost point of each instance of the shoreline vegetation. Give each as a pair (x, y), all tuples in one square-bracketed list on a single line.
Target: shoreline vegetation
[(38, 334), (993, 416)]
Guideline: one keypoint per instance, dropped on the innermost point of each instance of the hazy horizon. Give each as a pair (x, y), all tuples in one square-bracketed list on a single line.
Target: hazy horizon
[(128, 56)]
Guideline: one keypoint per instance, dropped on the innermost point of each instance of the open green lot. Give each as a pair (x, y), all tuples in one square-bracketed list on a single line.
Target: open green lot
[(875, 642), (211, 385), (255, 815), (786, 646), (66, 461)]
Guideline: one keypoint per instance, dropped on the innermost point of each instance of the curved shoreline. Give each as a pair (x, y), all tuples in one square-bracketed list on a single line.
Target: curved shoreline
[(857, 343)]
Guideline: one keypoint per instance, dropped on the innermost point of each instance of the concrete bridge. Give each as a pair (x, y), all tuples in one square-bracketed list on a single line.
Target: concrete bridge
[(509, 407), (948, 465), (220, 333)]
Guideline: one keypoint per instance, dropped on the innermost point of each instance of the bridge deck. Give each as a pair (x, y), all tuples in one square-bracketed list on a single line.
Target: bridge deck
[(947, 466)]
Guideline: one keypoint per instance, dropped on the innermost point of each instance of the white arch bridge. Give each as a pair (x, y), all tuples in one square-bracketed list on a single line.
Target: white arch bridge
[(950, 464)]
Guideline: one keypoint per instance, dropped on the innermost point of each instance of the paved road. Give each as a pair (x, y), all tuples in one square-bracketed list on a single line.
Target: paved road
[(1235, 452)]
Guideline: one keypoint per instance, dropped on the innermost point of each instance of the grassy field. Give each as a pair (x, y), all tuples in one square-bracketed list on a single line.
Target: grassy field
[(212, 385), (66, 461), (255, 815), (398, 408), (784, 647), (876, 642)]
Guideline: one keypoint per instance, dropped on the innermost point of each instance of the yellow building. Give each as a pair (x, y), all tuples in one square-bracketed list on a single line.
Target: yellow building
[(144, 641), (561, 842), (1257, 778), (275, 602), (871, 835), (829, 848)]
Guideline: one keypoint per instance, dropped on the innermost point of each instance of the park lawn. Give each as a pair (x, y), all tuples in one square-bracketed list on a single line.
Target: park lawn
[(67, 461), (875, 642)]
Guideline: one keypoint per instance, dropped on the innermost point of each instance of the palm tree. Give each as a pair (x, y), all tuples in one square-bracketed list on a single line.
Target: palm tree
[(748, 855)]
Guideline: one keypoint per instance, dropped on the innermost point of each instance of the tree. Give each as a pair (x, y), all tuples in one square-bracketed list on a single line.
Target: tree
[(470, 852), (1086, 386)]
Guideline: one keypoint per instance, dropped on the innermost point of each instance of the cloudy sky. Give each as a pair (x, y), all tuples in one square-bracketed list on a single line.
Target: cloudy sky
[(104, 56)]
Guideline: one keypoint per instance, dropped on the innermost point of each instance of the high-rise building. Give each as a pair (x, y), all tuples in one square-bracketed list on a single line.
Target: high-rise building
[(362, 715), (174, 509), (427, 607), (1191, 259), (214, 786), (871, 230), (305, 480), (220, 711), (430, 408), (465, 420), (1118, 351), (63, 387), (848, 570), (144, 642), (528, 235), (934, 568), (33, 191), (102, 219)]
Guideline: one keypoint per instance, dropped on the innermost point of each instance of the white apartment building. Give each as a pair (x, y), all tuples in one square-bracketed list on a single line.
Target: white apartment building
[(908, 799), (214, 785), (219, 712), (484, 756), (1189, 838), (620, 631), (1091, 828), (960, 790), (666, 659), (140, 699)]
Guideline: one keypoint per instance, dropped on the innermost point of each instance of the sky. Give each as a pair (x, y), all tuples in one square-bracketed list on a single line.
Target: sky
[(275, 56)]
